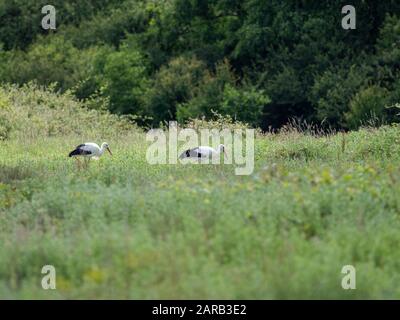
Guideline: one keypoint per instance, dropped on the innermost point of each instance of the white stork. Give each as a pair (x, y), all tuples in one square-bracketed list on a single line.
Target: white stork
[(202, 152), (89, 150)]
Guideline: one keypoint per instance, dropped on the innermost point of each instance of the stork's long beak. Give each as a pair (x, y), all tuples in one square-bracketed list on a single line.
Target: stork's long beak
[(108, 149), (226, 154)]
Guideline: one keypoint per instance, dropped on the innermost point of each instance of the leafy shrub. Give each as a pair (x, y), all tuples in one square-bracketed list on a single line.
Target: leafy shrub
[(332, 91), (174, 84), (207, 96), (50, 60), (244, 104), (38, 112), (5, 128), (218, 121), (286, 87), (387, 61), (218, 93), (367, 106), (5, 125), (21, 18), (125, 81), (388, 43), (109, 27)]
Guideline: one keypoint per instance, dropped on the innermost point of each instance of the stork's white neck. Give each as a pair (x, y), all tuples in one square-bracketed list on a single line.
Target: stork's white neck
[(103, 148)]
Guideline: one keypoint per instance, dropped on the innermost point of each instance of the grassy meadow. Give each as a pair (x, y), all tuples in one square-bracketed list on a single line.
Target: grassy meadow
[(126, 229)]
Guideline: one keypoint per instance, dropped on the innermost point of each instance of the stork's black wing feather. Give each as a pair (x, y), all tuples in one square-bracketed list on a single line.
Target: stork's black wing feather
[(79, 151), (191, 153)]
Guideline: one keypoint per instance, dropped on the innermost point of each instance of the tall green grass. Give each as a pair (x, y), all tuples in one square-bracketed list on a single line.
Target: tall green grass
[(127, 229)]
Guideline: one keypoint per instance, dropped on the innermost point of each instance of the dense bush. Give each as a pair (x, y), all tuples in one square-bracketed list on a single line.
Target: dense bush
[(332, 92), (110, 27), (21, 19), (5, 122), (388, 43), (244, 104), (31, 112), (125, 81), (47, 61), (366, 107), (207, 96), (174, 84)]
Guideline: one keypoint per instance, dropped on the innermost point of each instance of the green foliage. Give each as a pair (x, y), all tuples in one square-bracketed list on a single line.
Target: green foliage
[(207, 97), (5, 123), (31, 112), (367, 106), (218, 121), (312, 205), (125, 81), (388, 54), (48, 61), (174, 84), (110, 27), (21, 19), (332, 92), (388, 43), (245, 105), (293, 52)]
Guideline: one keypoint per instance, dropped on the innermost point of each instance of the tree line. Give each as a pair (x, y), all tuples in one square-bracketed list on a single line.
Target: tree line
[(263, 62)]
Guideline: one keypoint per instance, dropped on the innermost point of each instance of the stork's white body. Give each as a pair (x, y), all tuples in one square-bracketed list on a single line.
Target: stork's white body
[(94, 149), (202, 152), (90, 150)]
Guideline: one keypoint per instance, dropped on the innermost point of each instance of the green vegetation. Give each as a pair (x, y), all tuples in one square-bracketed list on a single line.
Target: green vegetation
[(320, 197), (127, 229), (262, 62)]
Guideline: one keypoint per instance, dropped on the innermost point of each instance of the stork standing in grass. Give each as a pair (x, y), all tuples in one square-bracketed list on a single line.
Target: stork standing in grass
[(88, 151), (202, 152)]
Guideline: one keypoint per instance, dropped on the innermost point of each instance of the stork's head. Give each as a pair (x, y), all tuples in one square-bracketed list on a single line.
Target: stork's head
[(105, 146), (221, 148)]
